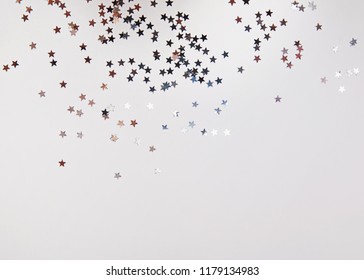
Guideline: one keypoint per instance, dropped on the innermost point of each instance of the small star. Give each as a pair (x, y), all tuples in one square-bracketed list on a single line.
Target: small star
[(117, 176), (62, 163), (127, 106), (152, 149), (33, 46), (14, 63), (214, 132), (278, 99), (150, 106), (57, 30), (342, 89), (241, 69), (114, 137), (63, 84), (91, 102), (63, 134), (353, 42), (79, 113), (195, 104), (82, 97), (120, 123), (157, 171), (80, 135), (191, 124), (103, 86), (137, 141), (42, 93), (71, 109), (227, 132), (324, 80), (88, 59), (133, 123)]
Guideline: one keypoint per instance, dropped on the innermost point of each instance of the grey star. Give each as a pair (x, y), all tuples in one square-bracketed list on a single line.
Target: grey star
[(191, 124), (117, 175), (42, 93), (63, 134), (241, 69)]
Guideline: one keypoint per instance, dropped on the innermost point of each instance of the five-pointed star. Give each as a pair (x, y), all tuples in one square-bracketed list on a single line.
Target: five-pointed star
[(114, 137), (63, 134), (324, 80), (62, 163), (227, 132), (120, 123), (137, 141), (33, 45), (133, 123), (117, 176)]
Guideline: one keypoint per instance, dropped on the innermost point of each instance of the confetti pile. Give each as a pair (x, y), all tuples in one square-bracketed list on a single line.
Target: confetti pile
[(177, 57)]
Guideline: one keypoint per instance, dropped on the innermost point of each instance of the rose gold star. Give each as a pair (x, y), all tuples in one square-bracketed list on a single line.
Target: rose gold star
[(133, 123), (91, 102), (121, 123), (42, 93), (114, 138), (57, 30), (33, 46)]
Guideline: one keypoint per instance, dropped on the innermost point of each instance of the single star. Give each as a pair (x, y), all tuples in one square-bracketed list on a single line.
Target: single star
[(33, 46), (63, 134), (114, 138), (42, 93)]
